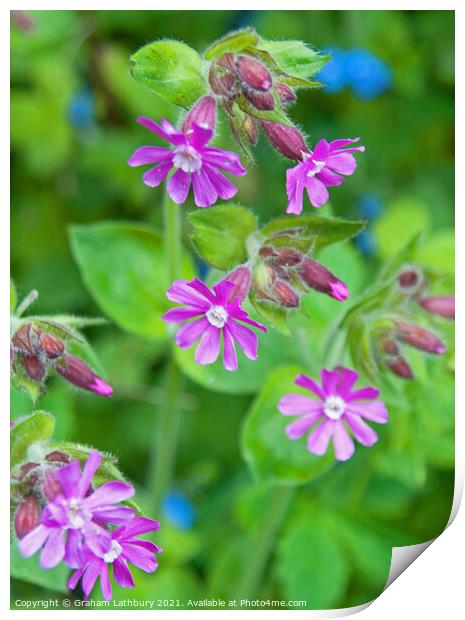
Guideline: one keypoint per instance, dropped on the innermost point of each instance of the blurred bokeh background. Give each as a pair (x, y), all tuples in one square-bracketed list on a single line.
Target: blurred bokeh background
[(73, 110)]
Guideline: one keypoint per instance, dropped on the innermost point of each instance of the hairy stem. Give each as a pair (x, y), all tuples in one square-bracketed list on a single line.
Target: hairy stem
[(266, 540), (163, 448)]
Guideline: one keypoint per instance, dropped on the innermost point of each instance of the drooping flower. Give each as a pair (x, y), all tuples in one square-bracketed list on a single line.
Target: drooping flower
[(75, 516), (192, 159), (125, 548), (338, 413), (215, 314), (325, 167)]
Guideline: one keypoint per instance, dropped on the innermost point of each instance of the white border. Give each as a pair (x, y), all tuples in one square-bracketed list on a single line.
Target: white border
[(435, 585)]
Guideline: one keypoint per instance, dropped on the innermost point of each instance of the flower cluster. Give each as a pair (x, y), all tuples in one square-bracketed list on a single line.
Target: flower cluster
[(75, 524), (338, 413)]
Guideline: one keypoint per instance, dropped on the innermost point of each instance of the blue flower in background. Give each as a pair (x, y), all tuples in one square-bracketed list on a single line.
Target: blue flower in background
[(368, 75), (370, 206), (178, 509), (366, 243), (82, 110), (365, 73), (201, 268)]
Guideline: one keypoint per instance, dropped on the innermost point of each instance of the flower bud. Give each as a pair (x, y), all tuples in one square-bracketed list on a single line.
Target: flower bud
[(264, 277), (27, 515), (227, 62), (420, 338), (260, 101), (253, 73), (442, 306), (33, 367), (317, 277), (410, 280), (203, 113), (240, 277), (244, 128), (77, 372), (286, 140), (287, 257), (285, 295), (400, 368), (50, 486), (222, 83), (286, 94), (21, 340), (57, 457), (25, 469), (52, 346)]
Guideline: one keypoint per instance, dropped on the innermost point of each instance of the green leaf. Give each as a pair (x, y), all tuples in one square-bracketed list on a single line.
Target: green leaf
[(294, 57), (13, 297), (37, 427), (309, 232), (172, 70), (123, 266), (220, 234), (234, 42), (29, 569), (268, 451), (404, 219), (21, 382), (361, 350), (276, 315), (311, 566)]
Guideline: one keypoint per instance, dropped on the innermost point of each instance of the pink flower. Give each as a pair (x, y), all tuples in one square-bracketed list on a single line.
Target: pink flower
[(318, 170), (340, 412), (125, 548), (215, 312), (193, 161), (75, 516)]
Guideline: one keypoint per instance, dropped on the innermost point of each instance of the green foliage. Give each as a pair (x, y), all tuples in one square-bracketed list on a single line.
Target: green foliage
[(220, 234), (122, 266), (268, 451), (295, 58), (29, 569), (234, 42), (36, 428), (13, 297), (172, 70)]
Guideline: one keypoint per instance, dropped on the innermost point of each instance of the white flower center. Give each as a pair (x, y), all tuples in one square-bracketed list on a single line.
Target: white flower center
[(115, 551), (77, 516), (187, 158), (217, 316), (334, 407), (319, 167)]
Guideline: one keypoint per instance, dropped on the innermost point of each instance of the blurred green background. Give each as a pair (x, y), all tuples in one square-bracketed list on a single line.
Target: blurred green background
[(73, 110)]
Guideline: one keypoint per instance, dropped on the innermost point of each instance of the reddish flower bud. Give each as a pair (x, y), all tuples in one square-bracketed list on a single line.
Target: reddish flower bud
[(240, 277), (27, 515), (317, 277), (222, 83), (285, 295), (411, 280), (227, 62), (52, 346), (253, 73), (287, 257), (286, 94), (57, 457), (420, 338), (442, 306), (286, 140), (266, 251), (21, 340), (51, 487), (400, 368), (33, 367), (25, 469), (260, 101), (390, 347), (77, 372), (203, 113)]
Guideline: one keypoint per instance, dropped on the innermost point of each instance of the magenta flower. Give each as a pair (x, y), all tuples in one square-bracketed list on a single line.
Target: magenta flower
[(193, 161), (75, 516), (319, 170), (125, 548), (340, 412), (216, 313)]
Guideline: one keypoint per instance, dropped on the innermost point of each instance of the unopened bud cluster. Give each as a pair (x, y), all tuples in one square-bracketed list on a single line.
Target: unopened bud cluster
[(34, 352)]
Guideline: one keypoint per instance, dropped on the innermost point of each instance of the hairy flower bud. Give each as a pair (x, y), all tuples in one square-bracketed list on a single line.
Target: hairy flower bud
[(317, 277), (394, 360), (34, 368), (240, 277), (27, 515), (264, 276), (286, 140), (203, 113), (260, 101), (285, 295), (50, 486), (227, 62), (253, 73), (401, 368), (420, 338), (286, 94), (52, 346), (288, 257), (21, 340), (410, 280), (57, 457), (244, 128), (442, 306), (77, 372)]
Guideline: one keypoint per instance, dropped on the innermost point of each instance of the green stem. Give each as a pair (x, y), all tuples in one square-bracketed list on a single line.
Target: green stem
[(163, 448), (266, 540)]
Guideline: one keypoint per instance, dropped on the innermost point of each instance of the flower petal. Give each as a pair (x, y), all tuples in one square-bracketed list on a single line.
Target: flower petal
[(319, 438), (223, 290), (34, 540), (205, 193), (97, 539), (154, 176), (110, 493), (105, 583), (165, 130), (150, 155), (330, 381), (309, 384), (344, 163), (208, 349), (178, 315), (140, 557), (245, 338), (295, 190), (90, 467), (54, 549), (182, 292), (74, 578), (299, 427), (347, 379), (321, 151), (202, 288), (222, 184), (227, 160), (122, 574), (295, 404), (190, 332), (330, 178), (343, 444), (317, 192), (114, 514), (363, 433), (91, 573), (139, 525), (366, 393), (73, 549), (229, 350), (199, 136), (68, 476), (376, 411), (178, 186), (335, 145)]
